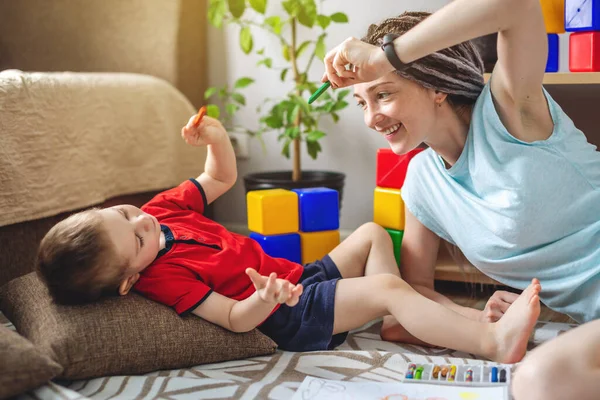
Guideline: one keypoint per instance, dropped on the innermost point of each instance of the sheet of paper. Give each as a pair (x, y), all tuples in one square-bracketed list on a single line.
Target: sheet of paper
[(322, 389)]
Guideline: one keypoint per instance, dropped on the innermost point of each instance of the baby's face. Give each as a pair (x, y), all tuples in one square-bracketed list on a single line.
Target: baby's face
[(136, 235)]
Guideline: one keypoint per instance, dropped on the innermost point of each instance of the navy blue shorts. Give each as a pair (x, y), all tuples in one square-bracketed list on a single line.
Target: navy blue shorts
[(308, 326)]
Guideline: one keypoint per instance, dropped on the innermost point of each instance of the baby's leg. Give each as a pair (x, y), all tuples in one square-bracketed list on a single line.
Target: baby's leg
[(567, 367), (367, 251), (359, 300)]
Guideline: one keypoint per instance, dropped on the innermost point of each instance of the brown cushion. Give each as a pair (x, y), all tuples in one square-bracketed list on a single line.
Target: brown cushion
[(120, 336), (22, 366)]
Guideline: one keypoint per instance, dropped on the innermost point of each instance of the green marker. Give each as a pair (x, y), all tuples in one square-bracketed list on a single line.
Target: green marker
[(319, 92)]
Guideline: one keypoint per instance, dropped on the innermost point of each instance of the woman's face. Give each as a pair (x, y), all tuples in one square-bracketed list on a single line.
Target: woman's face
[(400, 110)]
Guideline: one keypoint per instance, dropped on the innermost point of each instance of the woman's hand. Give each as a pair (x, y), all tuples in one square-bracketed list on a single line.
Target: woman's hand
[(208, 131), (497, 305), (367, 63), (273, 290)]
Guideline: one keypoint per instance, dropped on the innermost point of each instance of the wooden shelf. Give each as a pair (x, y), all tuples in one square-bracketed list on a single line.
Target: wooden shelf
[(568, 78), (446, 269)]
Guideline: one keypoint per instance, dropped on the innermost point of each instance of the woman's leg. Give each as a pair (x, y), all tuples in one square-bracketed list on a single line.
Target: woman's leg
[(359, 300), (369, 251), (567, 367)]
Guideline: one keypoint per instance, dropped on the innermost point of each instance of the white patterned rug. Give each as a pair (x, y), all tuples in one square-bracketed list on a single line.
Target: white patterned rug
[(363, 357)]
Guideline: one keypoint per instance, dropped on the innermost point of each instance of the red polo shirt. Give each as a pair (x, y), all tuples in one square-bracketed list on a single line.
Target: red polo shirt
[(201, 255)]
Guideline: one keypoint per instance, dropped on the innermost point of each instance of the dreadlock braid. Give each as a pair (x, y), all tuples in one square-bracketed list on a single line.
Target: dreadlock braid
[(456, 71)]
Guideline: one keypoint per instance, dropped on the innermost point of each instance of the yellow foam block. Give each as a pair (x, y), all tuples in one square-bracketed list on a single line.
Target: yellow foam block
[(388, 208), (554, 15), (272, 211), (316, 245)]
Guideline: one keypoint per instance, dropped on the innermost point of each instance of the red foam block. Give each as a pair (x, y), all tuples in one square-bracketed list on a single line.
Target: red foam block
[(584, 52), (391, 168)]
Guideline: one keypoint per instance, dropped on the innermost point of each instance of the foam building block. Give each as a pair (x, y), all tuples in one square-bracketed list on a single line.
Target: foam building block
[(552, 63), (584, 52), (391, 168), (272, 211), (319, 209), (280, 246), (397, 241), (316, 245), (554, 15), (388, 208), (582, 15)]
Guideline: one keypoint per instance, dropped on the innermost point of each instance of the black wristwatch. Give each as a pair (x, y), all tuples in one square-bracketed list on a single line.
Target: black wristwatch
[(390, 52)]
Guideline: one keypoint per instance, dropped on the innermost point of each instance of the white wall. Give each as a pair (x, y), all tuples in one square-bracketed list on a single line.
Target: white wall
[(350, 147)]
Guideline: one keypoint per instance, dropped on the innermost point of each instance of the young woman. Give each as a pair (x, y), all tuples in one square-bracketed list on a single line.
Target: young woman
[(507, 177)]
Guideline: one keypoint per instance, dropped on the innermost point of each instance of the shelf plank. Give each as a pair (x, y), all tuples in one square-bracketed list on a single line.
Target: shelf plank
[(446, 269), (567, 78)]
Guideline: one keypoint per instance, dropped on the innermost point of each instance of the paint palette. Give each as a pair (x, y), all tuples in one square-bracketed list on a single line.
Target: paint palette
[(449, 374)]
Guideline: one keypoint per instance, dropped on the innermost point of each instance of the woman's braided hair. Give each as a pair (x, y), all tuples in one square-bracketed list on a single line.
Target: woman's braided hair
[(456, 71)]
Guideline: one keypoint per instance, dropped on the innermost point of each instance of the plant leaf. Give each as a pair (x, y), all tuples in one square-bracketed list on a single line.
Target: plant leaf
[(342, 93), (237, 7), (339, 17), (231, 108), (239, 98), (335, 117), (307, 14), (315, 136), (216, 11), (275, 23), (285, 52), (246, 42), (260, 52), (243, 82), (323, 21), (320, 49), (292, 132), (209, 92), (313, 149), (292, 7), (286, 149), (213, 111), (301, 48), (273, 121), (339, 105), (294, 114), (283, 74), (259, 5), (267, 62)]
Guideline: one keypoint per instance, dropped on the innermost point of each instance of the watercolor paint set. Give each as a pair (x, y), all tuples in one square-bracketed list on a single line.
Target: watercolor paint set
[(449, 374)]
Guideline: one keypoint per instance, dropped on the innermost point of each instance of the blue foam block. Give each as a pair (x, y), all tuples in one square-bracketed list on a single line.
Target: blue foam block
[(280, 246), (553, 53), (582, 15), (319, 209)]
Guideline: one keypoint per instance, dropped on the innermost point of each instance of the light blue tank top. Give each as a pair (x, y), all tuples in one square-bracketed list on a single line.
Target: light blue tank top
[(519, 210)]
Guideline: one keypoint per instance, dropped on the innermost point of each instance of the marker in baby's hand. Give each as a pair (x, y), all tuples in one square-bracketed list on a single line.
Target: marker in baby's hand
[(199, 116)]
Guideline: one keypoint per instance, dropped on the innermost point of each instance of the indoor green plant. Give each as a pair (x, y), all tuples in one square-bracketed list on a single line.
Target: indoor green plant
[(290, 115), (229, 100)]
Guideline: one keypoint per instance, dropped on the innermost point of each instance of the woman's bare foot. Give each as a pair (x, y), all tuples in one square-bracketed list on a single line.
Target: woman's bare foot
[(512, 331)]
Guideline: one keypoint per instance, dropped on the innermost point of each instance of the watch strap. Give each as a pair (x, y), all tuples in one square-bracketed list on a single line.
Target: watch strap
[(390, 52)]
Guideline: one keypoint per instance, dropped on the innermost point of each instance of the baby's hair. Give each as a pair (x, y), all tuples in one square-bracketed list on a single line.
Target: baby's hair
[(77, 260), (456, 71)]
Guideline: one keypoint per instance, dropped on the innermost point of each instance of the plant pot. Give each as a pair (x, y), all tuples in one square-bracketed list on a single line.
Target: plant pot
[(283, 180)]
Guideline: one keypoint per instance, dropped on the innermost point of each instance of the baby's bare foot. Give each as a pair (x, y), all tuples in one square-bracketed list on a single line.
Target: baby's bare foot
[(512, 331)]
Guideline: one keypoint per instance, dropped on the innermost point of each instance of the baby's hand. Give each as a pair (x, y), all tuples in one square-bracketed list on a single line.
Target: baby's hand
[(274, 290), (208, 131)]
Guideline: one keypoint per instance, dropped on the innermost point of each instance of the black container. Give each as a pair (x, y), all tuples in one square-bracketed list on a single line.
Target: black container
[(283, 180)]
